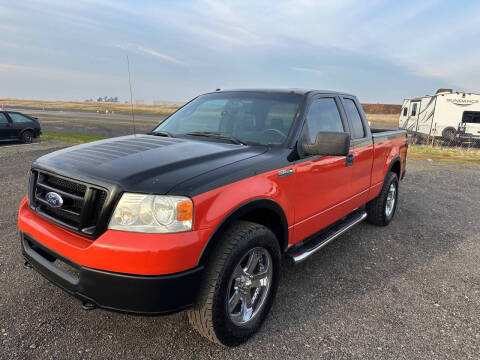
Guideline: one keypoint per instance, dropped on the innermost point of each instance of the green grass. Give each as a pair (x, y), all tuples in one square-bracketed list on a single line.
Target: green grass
[(445, 154), (71, 138)]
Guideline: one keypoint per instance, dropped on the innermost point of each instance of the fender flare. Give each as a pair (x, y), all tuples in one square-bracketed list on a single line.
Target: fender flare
[(241, 210)]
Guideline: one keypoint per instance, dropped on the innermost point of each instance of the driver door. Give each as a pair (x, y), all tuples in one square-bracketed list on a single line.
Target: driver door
[(322, 182), (5, 127)]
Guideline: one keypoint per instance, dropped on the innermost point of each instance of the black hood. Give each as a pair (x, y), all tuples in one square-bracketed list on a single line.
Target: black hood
[(144, 163)]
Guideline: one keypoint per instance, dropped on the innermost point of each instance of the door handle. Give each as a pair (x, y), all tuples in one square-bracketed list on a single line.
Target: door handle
[(349, 160)]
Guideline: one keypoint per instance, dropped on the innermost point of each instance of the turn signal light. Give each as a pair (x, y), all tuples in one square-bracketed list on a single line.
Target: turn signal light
[(185, 210)]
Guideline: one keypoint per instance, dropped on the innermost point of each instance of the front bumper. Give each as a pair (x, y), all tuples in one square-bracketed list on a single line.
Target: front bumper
[(118, 251), (143, 294)]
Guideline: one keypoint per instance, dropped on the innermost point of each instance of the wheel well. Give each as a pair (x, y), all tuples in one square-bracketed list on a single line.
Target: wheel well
[(271, 220), (396, 168), (268, 216), (448, 128), (25, 130)]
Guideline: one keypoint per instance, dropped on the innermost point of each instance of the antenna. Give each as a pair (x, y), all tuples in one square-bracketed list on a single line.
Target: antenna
[(131, 96)]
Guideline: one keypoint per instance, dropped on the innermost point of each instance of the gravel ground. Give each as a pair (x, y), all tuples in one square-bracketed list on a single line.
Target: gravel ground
[(407, 291)]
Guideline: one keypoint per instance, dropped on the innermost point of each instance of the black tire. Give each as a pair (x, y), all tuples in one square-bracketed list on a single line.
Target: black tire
[(377, 213), (449, 134), (26, 137), (210, 315)]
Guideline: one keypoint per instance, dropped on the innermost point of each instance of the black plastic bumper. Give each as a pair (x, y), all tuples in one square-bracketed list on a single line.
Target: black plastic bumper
[(141, 294)]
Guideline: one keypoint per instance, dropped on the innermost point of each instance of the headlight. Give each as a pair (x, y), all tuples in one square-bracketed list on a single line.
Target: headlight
[(152, 214)]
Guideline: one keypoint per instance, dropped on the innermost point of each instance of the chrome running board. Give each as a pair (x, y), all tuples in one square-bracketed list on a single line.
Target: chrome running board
[(310, 247)]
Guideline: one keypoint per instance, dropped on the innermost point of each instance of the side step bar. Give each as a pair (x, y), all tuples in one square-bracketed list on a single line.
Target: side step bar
[(304, 250)]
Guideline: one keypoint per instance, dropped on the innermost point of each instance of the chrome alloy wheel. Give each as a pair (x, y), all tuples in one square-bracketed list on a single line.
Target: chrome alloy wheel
[(249, 286), (391, 198)]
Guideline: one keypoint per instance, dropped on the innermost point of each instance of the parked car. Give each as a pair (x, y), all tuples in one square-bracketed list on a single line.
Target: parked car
[(18, 126), (199, 213)]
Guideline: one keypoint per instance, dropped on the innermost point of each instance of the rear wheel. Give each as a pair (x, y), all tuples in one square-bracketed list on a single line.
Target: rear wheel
[(381, 210), (27, 137), (239, 286)]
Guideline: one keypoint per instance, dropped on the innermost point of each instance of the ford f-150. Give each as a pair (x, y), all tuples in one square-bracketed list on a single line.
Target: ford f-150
[(200, 213)]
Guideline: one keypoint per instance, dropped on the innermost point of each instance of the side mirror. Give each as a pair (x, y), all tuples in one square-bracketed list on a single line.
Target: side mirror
[(329, 143)]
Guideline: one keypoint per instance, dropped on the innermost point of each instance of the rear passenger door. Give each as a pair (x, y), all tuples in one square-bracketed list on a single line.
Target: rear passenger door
[(322, 182), (361, 149)]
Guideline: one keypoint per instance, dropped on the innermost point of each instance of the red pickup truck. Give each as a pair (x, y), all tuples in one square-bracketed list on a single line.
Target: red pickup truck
[(199, 213)]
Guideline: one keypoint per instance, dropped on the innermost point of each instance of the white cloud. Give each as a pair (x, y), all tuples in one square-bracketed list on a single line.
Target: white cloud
[(431, 38), (55, 73), (216, 25), (46, 82), (308, 70), (412, 35), (143, 50)]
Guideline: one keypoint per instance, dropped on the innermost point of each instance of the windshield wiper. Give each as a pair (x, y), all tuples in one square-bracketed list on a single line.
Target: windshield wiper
[(217, 135), (162, 133)]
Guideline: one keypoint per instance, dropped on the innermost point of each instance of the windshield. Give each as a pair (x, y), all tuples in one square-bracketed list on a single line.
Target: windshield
[(239, 117)]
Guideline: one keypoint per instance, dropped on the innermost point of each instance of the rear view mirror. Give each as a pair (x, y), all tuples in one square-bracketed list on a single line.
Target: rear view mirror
[(329, 143)]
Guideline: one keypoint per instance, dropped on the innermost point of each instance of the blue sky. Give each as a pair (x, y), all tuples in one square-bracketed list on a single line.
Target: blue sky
[(382, 51)]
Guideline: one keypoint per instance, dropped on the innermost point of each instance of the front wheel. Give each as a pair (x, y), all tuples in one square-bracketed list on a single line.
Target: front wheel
[(240, 284), (381, 210), (27, 137)]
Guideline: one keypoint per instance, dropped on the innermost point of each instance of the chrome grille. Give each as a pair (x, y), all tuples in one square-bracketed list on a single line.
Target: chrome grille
[(82, 203)]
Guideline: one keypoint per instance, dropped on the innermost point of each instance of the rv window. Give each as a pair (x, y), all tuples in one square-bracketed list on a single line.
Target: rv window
[(414, 109), (405, 109), (471, 117)]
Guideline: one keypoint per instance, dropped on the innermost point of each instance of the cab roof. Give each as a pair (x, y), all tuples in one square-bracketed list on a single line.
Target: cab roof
[(284, 91)]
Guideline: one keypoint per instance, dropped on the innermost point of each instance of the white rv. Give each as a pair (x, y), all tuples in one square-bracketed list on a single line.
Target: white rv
[(448, 115)]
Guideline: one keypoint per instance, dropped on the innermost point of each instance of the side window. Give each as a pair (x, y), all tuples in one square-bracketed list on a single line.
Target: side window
[(323, 115), (414, 109), (405, 110), (471, 117), (3, 119), (17, 118), (353, 115)]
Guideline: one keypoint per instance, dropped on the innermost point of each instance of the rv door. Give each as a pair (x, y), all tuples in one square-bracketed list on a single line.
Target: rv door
[(413, 114), (414, 109)]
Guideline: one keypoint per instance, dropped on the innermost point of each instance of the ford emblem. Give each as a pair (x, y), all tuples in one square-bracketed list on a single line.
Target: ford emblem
[(53, 199)]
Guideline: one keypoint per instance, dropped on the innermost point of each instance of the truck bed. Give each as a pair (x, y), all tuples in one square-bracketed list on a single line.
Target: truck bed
[(379, 135)]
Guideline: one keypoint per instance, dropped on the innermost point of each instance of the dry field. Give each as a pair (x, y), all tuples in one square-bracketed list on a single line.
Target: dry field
[(383, 120), (164, 109)]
